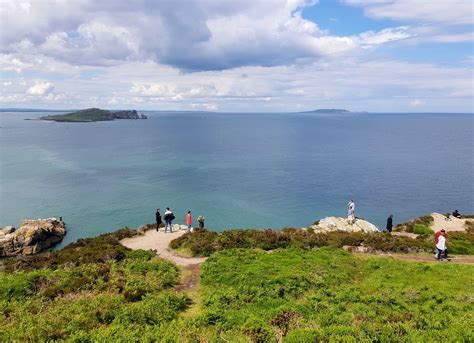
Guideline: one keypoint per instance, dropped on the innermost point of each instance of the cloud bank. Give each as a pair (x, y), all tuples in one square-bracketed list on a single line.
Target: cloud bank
[(248, 55)]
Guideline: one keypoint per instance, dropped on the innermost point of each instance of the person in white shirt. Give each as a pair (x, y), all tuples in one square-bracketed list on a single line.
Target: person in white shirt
[(441, 247), (351, 212)]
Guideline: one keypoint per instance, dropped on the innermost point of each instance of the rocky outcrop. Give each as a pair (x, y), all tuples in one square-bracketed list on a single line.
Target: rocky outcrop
[(342, 224), (32, 237)]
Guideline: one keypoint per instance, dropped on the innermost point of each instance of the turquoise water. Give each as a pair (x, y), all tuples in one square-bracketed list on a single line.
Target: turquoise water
[(238, 170)]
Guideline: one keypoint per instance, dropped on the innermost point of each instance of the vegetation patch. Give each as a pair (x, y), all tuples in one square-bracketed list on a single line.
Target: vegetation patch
[(295, 295), (91, 290), (98, 249), (421, 223), (205, 243)]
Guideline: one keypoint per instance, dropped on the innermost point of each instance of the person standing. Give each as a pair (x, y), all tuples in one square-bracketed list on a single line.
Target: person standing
[(158, 219), (351, 211), (456, 214), (441, 247), (168, 217), (389, 223), (189, 221), (200, 220)]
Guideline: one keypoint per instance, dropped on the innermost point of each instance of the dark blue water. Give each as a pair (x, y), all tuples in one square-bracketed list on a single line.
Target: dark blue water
[(238, 170)]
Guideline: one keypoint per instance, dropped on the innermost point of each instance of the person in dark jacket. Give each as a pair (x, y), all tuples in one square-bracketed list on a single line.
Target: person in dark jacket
[(200, 220), (168, 217), (158, 219), (389, 223)]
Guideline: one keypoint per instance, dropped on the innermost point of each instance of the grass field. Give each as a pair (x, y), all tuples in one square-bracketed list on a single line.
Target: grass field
[(96, 290)]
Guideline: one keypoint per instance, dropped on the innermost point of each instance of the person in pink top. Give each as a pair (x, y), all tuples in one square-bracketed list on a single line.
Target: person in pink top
[(189, 221)]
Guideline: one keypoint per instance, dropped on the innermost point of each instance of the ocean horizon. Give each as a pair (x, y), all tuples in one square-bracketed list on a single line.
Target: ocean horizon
[(239, 170)]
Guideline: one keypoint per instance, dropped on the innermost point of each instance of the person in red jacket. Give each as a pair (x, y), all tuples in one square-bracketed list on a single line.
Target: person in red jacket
[(442, 232), (439, 233), (189, 221)]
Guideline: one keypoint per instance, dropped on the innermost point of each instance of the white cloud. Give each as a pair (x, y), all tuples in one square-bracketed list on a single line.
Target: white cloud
[(244, 56), (40, 88), (417, 103), (193, 35), (384, 36), (452, 12)]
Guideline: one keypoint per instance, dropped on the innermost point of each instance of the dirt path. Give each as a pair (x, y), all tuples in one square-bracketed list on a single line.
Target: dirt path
[(159, 241), (190, 279), (464, 259)]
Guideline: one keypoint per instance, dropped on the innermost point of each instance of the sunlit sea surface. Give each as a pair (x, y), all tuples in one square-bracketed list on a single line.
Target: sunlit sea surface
[(238, 170)]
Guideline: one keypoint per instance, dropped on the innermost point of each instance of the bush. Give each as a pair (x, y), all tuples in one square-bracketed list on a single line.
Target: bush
[(205, 243), (98, 249), (410, 226), (422, 229), (469, 226)]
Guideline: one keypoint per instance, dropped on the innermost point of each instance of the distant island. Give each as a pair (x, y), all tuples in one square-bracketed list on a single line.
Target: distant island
[(93, 115), (328, 110)]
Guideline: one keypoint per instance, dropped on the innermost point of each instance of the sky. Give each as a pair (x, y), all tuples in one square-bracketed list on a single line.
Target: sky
[(238, 56)]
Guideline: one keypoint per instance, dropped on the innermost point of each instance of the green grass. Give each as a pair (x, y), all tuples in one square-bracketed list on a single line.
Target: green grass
[(422, 229), (89, 299), (330, 295), (96, 290)]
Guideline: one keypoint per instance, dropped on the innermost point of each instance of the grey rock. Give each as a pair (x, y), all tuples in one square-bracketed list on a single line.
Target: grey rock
[(32, 237)]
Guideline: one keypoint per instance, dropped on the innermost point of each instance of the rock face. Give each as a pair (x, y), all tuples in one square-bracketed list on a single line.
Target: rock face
[(341, 224), (32, 237)]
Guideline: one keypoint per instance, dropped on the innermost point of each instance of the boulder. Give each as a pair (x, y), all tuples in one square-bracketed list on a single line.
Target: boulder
[(178, 227), (6, 230), (342, 224), (32, 237), (141, 229)]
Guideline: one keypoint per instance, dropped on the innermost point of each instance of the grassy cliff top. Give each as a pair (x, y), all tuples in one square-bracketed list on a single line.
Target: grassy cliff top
[(98, 290)]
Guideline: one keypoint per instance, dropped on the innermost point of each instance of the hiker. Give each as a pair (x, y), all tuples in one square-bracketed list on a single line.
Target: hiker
[(200, 220), (351, 212), (189, 221), (441, 246), (439, 233), (389, 223), (158, 219), (456, 214), (168, 217)]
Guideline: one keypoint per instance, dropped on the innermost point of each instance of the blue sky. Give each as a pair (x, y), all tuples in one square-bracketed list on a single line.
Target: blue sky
[(249, 55)]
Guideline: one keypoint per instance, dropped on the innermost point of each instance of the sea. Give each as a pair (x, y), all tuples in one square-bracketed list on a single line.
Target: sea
[(238, 170)]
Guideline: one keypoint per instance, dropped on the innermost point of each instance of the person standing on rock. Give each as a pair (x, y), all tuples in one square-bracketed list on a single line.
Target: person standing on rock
[(169, 217), (200, 220), (189, 221), (351, 212), (389, 223), (158, 219)]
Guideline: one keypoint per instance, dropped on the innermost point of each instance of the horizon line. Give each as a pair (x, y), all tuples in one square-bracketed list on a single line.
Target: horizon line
[(32, 109)]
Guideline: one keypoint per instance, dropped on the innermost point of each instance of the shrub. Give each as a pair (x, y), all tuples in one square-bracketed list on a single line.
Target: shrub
[(411, 225), (206, 243), (422, 229), (469, 226), (98, 249)]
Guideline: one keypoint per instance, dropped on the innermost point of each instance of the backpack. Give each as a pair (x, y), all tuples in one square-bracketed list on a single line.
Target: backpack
[(172, 217)]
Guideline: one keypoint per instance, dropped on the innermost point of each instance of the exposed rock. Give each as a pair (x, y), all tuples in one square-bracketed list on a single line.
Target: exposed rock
[(32, 237), (449, 224), (7, 229), (141, 229), (178, 227), (133, 114), (342, 224)]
